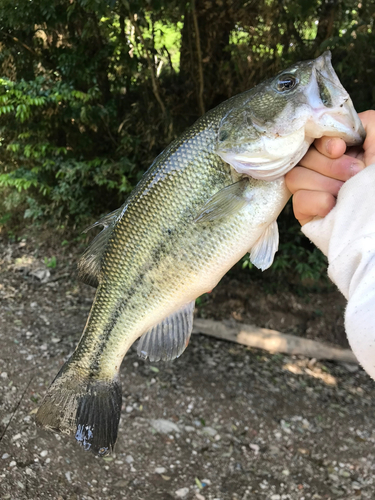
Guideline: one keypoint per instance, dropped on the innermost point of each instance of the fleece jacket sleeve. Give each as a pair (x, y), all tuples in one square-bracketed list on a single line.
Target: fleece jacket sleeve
[(347, 237)]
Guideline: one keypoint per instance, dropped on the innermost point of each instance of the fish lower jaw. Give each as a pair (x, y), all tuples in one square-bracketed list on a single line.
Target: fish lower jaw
[(267, 168)]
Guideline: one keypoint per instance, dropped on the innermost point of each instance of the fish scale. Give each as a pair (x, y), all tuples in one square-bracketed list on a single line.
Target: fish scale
[(193, 215)]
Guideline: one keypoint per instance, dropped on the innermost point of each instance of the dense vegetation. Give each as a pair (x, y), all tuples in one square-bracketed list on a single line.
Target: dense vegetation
[(92, 90)]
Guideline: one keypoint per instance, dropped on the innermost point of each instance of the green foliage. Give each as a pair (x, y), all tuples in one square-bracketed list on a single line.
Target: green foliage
[(297, 256), (92, 91), (50, 263)]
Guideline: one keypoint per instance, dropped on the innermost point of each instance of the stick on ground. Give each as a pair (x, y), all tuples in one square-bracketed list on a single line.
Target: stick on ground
[(272, 340)]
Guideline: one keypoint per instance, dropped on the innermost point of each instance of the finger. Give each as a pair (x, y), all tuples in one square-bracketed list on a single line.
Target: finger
[(368, 120), (355, 152), (303, 178), (309, 204), (332, 147), (342, 168)]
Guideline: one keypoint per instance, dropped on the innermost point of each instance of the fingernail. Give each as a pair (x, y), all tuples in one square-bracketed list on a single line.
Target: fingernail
[(356, 167)]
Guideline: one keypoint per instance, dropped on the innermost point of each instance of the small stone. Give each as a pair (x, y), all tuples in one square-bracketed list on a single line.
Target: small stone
[(122, 483), (164, 426), (182, 492), (6, 455), (274, 450), (198, 496), (189, 428), (275, 497), (28, 471), (12, 463), (210, 431), (351, 367), (286, 472), (42, 275), (160, 470), (333, 477), (68, 476), (129, 409), (344, 473), (44, 453), (129, 459), (4, 375), (16, 437), (254, 447)]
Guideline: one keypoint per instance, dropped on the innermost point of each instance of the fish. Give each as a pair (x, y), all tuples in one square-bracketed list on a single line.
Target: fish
[(210, 197)]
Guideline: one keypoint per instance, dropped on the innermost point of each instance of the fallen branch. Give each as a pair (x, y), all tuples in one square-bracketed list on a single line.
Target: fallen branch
[(272, 340)]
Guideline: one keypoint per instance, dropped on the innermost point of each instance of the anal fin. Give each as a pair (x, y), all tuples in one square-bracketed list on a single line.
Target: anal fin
[(168, 339)]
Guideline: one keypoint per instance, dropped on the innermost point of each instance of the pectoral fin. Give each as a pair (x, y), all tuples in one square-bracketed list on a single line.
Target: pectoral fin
[(225, 202), (263, 252), (168, 339)]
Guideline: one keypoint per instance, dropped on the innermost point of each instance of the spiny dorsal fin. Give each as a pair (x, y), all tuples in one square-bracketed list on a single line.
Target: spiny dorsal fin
[(90, 263), (263, 252), (168, 339)]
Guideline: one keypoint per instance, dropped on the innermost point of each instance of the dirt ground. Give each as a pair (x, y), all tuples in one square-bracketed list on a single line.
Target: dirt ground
[(223, 422)]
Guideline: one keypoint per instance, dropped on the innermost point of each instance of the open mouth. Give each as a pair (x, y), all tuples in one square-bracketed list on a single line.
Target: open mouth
[(342, 122)]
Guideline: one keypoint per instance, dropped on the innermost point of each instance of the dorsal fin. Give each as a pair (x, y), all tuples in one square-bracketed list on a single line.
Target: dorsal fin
[(168, 339), (89, 264)]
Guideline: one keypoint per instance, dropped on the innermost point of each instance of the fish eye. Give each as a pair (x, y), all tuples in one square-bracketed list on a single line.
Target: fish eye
[(286, 83)]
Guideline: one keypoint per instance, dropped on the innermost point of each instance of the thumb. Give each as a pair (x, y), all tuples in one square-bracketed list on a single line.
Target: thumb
[(368, 120)]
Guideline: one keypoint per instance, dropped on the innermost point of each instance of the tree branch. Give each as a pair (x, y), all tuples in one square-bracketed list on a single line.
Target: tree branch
[(199, 54), (19, 41), (151, 66)]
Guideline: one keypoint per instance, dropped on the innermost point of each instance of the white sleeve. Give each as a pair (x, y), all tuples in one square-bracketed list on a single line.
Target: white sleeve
[(347, 237)]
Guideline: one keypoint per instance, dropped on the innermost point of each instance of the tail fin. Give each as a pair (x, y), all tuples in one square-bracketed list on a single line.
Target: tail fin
[(90, 408)]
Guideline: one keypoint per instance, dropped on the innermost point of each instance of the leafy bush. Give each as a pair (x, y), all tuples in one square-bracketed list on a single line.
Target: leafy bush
[(92, 91)]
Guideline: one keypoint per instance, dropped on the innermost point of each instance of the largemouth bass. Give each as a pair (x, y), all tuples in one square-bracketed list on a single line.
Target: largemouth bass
[(212, 196)]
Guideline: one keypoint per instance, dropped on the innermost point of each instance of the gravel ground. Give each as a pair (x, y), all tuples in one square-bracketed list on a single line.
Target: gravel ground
[(222, 422)]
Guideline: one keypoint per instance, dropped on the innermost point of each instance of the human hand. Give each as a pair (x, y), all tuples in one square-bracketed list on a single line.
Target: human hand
[(316, 181)]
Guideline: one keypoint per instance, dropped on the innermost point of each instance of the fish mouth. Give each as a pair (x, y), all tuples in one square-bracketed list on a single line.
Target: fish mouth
[(333, 110), (343, 122)]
